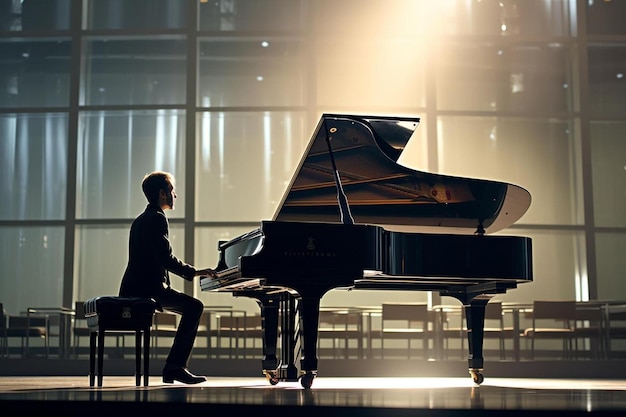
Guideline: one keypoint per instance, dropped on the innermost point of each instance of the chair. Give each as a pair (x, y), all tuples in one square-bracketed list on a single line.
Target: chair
[(26, 327), (495, 328), (207, 331), (59, 327), (208, 328), (553, 320), (404, 322), (164, 325), (616, 331), (238, 329), (591, 329), (340, 326), (115, 315)]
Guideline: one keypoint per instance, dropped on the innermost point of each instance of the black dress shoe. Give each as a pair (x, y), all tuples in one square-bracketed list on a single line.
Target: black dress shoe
[(180, 374)]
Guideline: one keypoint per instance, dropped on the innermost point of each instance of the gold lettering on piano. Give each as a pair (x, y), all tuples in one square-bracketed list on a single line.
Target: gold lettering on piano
[(310, 252)]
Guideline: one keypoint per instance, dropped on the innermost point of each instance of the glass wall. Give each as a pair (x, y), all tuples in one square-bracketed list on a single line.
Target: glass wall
[(33, 165), (225, 94), (116, 149)]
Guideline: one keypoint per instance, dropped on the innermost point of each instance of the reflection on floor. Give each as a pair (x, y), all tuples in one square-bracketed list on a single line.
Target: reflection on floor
[(328, 396)]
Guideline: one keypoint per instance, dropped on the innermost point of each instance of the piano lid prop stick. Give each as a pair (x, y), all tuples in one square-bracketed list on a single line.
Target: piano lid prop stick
[(344, 208)]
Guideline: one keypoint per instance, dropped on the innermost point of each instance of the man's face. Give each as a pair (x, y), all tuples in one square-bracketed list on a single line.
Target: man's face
[(170, 197)]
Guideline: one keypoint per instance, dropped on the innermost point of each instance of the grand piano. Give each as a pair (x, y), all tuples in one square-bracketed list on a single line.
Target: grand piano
[(354, 217)]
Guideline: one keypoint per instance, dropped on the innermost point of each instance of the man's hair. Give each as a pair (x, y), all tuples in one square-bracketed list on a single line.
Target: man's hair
[(154, 182)]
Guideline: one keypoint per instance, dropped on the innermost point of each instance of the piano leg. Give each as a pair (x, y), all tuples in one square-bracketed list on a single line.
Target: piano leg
[(290, 348), (270, 306), (475, 317), (269, 312), (309, 322)]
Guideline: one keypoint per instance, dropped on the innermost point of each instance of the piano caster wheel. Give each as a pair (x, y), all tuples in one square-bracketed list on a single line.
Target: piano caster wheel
[(477, 376), (272, 377), (307, 380)]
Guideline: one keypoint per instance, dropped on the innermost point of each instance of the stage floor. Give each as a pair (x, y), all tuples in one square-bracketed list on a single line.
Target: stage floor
[(328, 396)]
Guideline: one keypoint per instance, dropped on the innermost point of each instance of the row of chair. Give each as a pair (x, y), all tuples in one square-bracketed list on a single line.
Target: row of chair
[(408, 329), (223, 331), (567, 329)]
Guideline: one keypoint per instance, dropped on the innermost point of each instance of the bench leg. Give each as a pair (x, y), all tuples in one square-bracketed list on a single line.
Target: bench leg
[(146, 356), (100, 355), (92, 358)]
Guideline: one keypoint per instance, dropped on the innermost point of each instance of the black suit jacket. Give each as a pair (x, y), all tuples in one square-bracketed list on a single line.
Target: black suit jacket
[(150, 257)]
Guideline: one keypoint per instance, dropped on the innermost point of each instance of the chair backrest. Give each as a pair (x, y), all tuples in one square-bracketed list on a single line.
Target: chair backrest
[(339, 319), (79, 310), (205, 321), (240, 322), (253, 322), (23, 322), (493, 311), (165, 321), (617, 322), (556, 311), (591, 314), (405, 314)]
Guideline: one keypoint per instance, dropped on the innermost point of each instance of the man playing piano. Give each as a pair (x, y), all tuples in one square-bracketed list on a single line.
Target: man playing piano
[(150, 260)]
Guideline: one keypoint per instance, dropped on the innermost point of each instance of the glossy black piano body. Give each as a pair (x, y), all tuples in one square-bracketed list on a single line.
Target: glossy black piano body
[(353, 217)]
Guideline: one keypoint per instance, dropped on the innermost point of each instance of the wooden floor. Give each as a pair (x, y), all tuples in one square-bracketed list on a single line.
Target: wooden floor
[(329, 396)]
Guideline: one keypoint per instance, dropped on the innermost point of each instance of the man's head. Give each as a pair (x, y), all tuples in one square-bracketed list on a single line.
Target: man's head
[(158, 188)]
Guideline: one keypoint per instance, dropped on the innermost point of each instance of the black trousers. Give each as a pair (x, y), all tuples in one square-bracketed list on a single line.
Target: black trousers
[(190, 310)]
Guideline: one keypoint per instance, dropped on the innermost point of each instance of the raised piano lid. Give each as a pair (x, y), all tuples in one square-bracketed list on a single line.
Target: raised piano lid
[(383, 192)]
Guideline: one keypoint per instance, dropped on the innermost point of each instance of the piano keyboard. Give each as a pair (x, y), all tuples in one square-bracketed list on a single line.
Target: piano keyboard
[(227, 272), (228, 279)]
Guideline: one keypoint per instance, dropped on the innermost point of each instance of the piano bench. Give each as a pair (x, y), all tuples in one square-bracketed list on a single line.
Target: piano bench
[(119, 315)]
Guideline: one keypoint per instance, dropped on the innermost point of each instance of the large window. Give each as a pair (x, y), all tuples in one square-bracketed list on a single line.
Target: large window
[(32, 263), (35, 72), (116, 149), (505, 77), (261, 71), (33, 165), (35, 15), (244, 163), (134, 71), (540, 156), (102, 255), (608, 148), (607, 80)]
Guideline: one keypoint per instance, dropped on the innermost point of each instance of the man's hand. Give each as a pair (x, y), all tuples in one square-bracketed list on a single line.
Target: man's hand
[(206, 272)]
